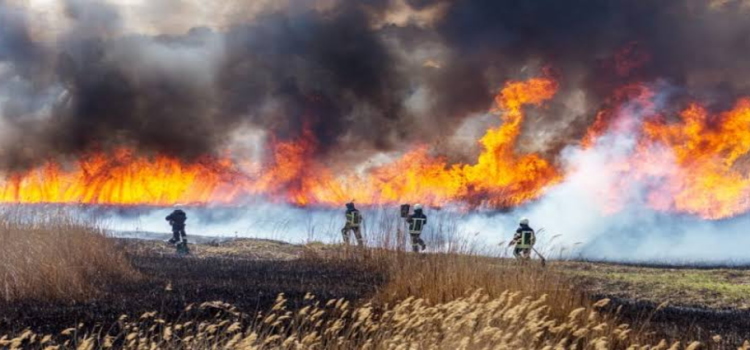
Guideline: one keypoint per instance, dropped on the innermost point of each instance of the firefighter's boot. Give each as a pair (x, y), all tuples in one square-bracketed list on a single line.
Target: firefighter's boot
[(182, 248)]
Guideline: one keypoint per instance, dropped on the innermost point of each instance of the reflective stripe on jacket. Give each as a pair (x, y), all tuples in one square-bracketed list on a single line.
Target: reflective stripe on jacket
[(416, 225), (353, 218), (526, 240)]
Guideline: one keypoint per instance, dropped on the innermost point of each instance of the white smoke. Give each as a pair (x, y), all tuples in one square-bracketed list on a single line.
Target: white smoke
[(261, 220), (598, 212)]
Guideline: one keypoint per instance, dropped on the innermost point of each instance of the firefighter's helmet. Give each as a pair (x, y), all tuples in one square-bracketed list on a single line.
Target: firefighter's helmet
[(417, 207), (524, 221)]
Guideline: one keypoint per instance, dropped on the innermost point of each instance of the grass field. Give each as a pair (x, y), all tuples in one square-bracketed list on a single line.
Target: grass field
[(710, 288), (55, 256), (226, 295), (716, 288)]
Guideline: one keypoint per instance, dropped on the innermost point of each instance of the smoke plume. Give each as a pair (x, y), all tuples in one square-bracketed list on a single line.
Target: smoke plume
[(361, 82), (363, 77)]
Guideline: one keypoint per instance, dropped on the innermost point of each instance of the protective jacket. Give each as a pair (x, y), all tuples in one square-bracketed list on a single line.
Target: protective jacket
[(353, 218), (524, 237), (416, 222), (177, 219)]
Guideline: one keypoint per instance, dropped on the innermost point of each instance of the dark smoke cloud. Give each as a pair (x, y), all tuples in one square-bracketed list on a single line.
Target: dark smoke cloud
[(358, 84), (689, 43), (332, 74), (16, 44), (183, 95)]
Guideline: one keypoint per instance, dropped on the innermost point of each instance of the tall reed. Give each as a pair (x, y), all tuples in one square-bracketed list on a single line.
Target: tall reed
[(51, 255)]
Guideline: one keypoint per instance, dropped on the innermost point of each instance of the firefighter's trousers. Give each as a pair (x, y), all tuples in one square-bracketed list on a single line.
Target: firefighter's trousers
[(357, 234), (416, 242), (522, 253), (177, 232)]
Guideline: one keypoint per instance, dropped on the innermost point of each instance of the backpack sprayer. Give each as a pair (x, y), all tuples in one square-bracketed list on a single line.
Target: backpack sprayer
[(405, 210)]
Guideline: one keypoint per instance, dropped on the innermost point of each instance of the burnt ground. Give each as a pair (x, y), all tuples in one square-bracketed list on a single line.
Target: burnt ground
[(672, 301), (249, 274), (675, 322), (250, 284)]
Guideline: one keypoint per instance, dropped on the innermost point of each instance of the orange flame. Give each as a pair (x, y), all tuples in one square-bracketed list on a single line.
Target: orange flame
[(637, 94), (708, 180), (123, 178), (698, 166), (499, 178)]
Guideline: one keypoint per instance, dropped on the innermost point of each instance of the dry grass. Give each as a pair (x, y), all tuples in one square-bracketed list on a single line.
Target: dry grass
[(453, 298), (439, 301), (455, 266), (48, 256), (477, 321)]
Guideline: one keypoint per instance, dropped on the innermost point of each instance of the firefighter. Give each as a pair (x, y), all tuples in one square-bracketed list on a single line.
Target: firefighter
[(177, 221), (416, 223), (353, 221), (524, 240)]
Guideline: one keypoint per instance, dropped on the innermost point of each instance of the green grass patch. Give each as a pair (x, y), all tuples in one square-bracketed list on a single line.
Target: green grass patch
[(716, 288)]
